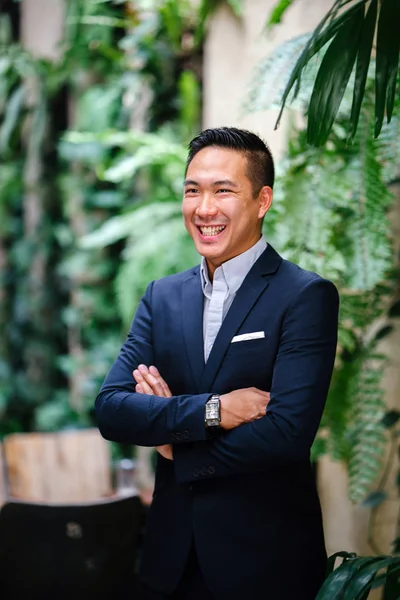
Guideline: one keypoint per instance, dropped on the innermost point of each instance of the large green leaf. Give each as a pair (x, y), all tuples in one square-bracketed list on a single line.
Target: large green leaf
[(363, 61), (333, 77), (339, 60), (335, 585), (318, 39), (361, 584), (387, 60)]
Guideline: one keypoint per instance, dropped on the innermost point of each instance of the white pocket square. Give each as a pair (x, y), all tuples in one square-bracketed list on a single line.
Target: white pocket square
[(244, 337)]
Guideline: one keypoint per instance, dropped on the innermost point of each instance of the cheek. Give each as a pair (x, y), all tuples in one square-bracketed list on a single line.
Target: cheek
[(189, 206)]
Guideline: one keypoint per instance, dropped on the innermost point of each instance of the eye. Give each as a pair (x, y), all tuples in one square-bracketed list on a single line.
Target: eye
[(224, 191), (191, 191)]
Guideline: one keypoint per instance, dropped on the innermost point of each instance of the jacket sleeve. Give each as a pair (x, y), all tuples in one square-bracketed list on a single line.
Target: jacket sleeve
[(300, 384), (127, 417)]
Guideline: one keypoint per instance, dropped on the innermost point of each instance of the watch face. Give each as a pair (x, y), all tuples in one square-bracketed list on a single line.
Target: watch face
[(212, 410), (212, 413)]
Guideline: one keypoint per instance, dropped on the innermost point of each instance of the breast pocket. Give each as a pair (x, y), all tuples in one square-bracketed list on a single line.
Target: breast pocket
[(247, 364), (248, 346)]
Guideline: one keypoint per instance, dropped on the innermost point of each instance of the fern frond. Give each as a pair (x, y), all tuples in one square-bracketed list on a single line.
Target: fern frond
[(370, 252), (366, 433)]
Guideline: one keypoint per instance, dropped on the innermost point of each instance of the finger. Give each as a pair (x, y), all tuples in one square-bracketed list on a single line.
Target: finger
[(147, 389), (137, 376), (150, 380), (139, 389), (144, 386), (155, 372), (154, 383)]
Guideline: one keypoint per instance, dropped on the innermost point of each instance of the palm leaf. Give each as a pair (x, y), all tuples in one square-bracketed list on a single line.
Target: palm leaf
[(387, 60), (318, 39), (361, 584), (363, 61), (333, 77), (336, 584)]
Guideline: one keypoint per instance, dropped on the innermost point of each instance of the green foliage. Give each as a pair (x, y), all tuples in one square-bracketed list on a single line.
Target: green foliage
[(120, 66), (153, 221), (350, 33), (356, 576), (330, 215)]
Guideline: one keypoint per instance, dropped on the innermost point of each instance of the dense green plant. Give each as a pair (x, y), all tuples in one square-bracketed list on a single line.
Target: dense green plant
[(351, 34), (32, 334), (122, 66), (335, 221), (332, 218)]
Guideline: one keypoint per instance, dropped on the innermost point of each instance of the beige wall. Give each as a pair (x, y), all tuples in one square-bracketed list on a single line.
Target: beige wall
[(233, 48)]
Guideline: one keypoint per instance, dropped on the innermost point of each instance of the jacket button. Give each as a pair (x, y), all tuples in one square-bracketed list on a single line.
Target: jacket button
[(204, 471), (211, 470), (178, 436), (186, 434), (173, 436), (196, 472)]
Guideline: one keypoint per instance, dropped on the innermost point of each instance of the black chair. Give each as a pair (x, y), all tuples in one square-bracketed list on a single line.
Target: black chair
[(76, 551)]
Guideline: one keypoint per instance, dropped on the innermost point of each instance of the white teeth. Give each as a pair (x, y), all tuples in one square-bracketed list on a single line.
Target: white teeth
[(212, 230)]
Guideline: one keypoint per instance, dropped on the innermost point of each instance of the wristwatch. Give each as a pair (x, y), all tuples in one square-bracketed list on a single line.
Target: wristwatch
[(212, 415)]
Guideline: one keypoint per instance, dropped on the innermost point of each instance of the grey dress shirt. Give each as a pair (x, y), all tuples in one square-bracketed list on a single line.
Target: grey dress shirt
[(219, 295)]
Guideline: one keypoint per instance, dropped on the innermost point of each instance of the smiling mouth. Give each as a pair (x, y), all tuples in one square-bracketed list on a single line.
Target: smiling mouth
[(211, 231)]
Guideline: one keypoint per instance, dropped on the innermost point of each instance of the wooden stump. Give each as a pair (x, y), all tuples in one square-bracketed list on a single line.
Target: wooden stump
[(64, 467)]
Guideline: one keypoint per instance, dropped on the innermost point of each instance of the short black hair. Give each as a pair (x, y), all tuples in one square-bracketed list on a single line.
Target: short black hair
[(261, 170)]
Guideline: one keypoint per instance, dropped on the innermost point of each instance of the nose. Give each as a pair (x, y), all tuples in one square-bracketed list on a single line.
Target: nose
[(206, 206)]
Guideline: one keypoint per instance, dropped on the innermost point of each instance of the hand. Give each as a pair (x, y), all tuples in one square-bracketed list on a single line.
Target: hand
[(243, 406), (166, 451), (149, 381)]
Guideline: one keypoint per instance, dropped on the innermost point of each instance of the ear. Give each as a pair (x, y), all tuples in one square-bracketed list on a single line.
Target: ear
[(264, 200)]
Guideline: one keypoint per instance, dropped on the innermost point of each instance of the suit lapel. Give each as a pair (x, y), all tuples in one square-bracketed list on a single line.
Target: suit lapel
[(192, 323), (254, 284)]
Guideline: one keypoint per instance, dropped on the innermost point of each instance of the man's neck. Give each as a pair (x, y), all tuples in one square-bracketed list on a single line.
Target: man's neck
[(212, 266)]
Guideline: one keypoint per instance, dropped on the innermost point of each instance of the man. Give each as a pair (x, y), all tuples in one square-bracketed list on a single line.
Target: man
[(235, 513)]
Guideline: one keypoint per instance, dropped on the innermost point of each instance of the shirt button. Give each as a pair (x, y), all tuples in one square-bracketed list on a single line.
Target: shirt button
[(211, 470)]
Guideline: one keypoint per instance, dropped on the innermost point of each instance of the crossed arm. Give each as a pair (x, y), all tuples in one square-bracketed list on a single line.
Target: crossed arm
[(238, 407), (284, 434)]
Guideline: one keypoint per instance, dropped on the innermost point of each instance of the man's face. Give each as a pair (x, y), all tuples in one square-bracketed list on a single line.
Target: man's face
[(220, 211)]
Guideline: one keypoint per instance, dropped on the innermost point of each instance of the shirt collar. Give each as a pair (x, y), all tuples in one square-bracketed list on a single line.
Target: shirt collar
[(234, 270)]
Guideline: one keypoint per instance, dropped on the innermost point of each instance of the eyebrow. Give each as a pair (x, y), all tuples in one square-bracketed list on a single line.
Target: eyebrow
[(215, 183), (228, 182)]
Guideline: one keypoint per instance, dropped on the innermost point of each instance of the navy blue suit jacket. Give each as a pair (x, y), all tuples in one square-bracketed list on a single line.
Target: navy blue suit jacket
[(246, 497)]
